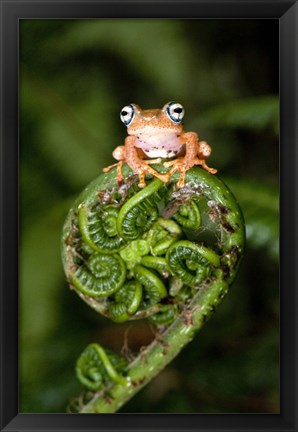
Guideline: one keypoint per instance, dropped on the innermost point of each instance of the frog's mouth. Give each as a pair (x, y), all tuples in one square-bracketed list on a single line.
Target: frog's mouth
[(150, 130)]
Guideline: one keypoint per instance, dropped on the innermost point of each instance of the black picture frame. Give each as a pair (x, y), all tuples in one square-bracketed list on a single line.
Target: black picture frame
[(287, 13)]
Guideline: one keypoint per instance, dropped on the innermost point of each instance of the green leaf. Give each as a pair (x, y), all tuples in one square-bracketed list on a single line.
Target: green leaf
[(252, 113)]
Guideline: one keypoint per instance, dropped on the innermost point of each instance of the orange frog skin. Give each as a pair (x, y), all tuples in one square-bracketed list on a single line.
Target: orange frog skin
[(157, 134)]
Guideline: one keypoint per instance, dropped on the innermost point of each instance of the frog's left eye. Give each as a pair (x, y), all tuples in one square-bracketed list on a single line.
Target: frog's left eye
[(127, 114), (175, 111)]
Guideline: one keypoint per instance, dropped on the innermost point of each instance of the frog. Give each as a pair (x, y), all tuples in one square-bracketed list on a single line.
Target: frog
[(155, 135)]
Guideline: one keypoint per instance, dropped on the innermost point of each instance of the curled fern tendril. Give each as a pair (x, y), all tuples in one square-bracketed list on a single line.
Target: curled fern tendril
[(159, 264), (188, 215), (133, 252), (96, 366), (98, 226), (190, 262), (126, 301), (162, 234), (102, 275), (140, 212), (155, 289)]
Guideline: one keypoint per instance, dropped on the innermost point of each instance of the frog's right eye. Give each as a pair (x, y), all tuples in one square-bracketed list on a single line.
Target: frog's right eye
[(127, 114), (175, 112)]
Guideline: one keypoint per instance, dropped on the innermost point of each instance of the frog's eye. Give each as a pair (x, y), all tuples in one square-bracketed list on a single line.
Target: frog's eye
[(175, 111), (127, 114)]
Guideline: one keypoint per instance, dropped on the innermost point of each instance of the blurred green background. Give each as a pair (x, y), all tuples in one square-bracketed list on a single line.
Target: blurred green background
[(75, 76)]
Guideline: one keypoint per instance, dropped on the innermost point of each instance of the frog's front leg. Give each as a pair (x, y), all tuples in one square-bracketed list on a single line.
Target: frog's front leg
[(138, 165), (120, 155), (203, 153), (196, 153), (129, 154)]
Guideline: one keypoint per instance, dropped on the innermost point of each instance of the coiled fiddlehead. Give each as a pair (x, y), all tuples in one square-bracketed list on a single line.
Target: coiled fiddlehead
[(96, 366), (101, 276), (160, 264), (126, 301), (166, 254), (98, 226), (154, 287), (188, 215), (133, 252), (163, 233), (139, 213), (190, 262)]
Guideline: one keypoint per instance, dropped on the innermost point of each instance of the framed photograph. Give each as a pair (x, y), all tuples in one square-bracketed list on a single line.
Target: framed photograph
[(210, 88)]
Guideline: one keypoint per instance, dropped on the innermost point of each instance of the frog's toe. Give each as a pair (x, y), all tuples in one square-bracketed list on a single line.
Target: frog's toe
[(205, 166), (171, 163), (152, 161), (181, 181), (108, 168), (212, 170)]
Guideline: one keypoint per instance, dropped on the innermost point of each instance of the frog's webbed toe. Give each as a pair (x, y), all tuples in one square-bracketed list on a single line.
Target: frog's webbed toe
[(205, 166), (173, 163), (179, 165), (152, 161), (108, 168), (144, 168), (182, 165)]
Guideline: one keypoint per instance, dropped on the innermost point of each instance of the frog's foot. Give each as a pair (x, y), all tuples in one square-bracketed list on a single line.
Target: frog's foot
[(142, 182), (108, 168), (205, 166), (174, 162), (181, 165), (144, 168), (119, 170)]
